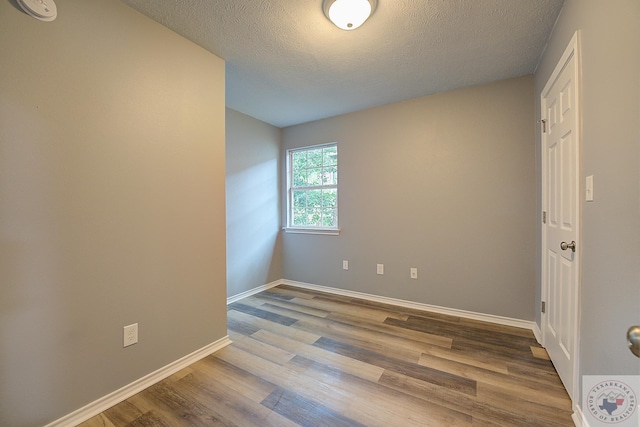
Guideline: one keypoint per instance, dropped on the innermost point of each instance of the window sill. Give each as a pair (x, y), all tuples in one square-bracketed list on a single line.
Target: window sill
[(325, 231)]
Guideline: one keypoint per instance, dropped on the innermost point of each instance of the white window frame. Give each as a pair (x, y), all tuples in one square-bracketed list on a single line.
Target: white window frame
[(289, 215)]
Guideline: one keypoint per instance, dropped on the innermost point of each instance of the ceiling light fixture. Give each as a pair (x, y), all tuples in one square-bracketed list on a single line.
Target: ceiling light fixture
[(348, 14)]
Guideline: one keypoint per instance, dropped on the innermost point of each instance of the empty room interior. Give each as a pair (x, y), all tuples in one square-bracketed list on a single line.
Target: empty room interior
[(256, 212)]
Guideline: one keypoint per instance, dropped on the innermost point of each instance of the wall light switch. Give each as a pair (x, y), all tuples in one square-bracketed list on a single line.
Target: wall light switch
[(414, 272), (588, 188), (380, 268), (345, 265)]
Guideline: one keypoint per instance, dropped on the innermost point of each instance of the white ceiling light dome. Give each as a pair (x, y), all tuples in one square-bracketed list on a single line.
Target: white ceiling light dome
[(348, 14)]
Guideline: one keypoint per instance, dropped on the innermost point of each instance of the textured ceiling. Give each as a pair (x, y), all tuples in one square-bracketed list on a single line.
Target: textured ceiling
[(287, 64)]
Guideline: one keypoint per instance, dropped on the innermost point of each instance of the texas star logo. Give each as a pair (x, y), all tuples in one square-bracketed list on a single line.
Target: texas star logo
[(611, 402)]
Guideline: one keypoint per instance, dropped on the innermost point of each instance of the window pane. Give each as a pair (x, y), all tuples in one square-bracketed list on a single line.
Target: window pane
[(328, 217), (299, 208), (330, 156), (314, 158), (315, 216), (299, 160), (329, 198), (299, 217), (299, 199), (314, 198), (299, 177), (330, 175), (314, 176)]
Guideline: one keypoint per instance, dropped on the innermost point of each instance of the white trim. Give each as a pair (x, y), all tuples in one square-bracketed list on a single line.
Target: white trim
[(491, 318), (313, 146), (253, 291), (537, 332), (96, 407), (578, 417), (325, 231)]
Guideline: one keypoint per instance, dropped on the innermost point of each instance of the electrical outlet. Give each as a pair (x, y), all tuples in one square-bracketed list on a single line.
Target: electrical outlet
[(130, 335), (345, 265), (380, 268), (413, 272)]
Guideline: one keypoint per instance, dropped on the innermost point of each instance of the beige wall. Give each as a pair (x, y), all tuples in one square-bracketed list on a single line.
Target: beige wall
[(444, 183), (610, 252), (112, 205), (254, 249)]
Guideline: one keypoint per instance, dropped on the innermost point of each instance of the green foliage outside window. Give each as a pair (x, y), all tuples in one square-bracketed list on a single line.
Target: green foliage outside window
[(314, 187)]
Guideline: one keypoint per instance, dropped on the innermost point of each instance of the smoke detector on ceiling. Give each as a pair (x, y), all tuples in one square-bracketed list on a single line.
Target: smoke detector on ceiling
[(44, 10)]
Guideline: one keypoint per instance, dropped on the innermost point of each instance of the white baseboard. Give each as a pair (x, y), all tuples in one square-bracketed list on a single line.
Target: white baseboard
[(500, 320), (111, 399), (537, 332), (253, 291)]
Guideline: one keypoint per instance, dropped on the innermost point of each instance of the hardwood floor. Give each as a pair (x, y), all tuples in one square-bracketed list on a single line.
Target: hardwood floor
[(306, 358)]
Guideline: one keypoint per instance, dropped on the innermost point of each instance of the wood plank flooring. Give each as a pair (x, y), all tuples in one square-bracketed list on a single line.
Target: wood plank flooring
[(306, 358)]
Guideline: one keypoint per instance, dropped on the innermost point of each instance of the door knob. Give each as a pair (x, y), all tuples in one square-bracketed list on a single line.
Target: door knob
[(564, 246), (633, 339)]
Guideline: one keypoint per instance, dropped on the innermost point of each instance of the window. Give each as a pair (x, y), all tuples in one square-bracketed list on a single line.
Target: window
[(312, 177)]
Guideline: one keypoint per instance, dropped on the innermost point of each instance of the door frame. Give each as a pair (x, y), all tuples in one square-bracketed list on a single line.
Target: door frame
[(572, 50)]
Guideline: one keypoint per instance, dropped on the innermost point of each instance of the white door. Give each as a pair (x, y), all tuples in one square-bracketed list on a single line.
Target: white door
[(560, 235)]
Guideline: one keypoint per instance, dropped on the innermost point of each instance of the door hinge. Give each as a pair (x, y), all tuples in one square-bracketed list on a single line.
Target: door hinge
[(544, 307), (544, 217), (544, 125)]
